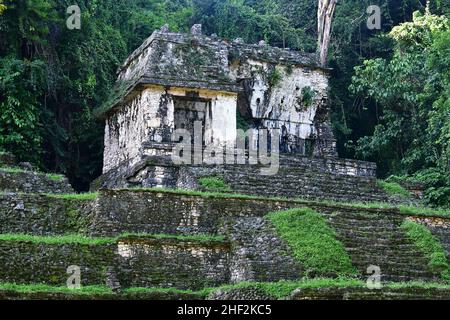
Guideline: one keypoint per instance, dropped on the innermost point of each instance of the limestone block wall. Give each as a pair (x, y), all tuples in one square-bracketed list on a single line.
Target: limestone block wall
[(118, 211), (30, 263), (175, 263), (261, 257), (33, 182), (140, 120), (43, 215)]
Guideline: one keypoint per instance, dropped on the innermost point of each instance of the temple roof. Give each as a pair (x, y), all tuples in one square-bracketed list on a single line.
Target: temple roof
[(194, 61)]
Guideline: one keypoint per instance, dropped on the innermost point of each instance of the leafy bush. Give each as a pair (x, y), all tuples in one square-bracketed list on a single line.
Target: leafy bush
[(313, 242), (429, 245), (214, 184), (274, 78)]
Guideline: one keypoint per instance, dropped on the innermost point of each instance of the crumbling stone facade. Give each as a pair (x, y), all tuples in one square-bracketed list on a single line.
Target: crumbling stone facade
[(174, 80)]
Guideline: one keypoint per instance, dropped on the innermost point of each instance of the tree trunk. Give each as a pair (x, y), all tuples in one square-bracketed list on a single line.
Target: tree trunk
[(324, 18)]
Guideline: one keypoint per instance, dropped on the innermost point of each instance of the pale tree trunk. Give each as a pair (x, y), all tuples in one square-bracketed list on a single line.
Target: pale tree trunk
[(324, 17)]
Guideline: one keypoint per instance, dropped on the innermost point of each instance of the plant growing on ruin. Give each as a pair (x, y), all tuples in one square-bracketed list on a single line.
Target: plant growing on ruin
[(430, 246), (274, 77), (307, 96), (214, 184)]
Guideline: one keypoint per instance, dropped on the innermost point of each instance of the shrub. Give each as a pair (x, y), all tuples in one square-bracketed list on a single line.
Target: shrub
[(214, 184)]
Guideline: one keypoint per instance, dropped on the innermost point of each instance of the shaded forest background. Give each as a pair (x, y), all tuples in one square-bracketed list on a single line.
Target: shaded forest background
[(390, 87)]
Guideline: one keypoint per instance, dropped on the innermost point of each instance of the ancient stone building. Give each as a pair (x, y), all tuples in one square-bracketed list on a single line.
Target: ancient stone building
[(177, 81)]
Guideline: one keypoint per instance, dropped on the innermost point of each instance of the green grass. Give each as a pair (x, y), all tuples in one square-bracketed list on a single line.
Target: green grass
[(67, 239), (42, 288), (430, 246), (214, 184), (393, 188), (79, 239), (313, 242), (279, 290), (74, 196), (424, 211)]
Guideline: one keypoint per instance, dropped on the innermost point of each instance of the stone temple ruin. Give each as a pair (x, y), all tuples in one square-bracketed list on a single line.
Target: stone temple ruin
[(173, 81), (132, 241)]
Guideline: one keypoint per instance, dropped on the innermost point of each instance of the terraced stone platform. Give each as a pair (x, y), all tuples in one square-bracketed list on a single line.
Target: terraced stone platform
[(169, 244), (296, 177)]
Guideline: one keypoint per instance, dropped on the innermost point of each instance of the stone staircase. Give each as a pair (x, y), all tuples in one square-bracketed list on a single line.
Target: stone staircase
[(377, 240)]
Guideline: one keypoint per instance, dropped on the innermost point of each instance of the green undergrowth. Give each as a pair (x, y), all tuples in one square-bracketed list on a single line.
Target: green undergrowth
[(430, 246), (313, 242), (409, 210), (393, 189), (84, 240)]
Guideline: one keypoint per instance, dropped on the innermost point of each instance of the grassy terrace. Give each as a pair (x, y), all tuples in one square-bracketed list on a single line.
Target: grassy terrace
[(78, 239), (52, 176), (278, 290), (402, 209), (408, 210)]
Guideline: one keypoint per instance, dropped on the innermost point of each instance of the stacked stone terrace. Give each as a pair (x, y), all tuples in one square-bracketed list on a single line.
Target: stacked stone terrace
[(180, 240)]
